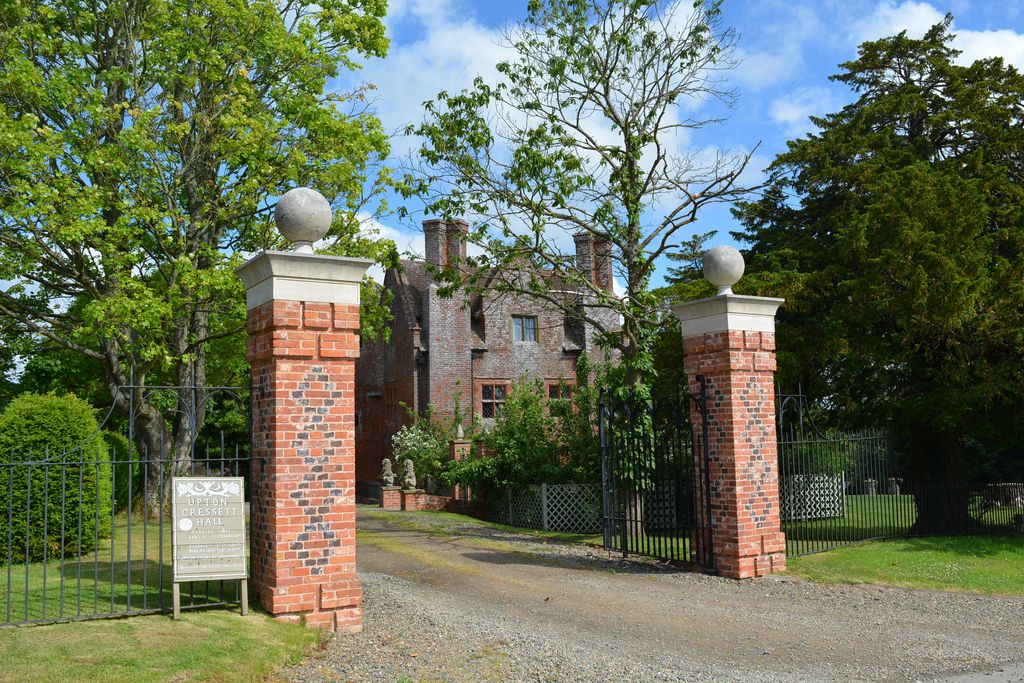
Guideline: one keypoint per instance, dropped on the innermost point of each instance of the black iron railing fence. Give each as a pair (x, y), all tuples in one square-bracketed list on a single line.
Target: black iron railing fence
[(78, 543), (86, 533), (838, 488)]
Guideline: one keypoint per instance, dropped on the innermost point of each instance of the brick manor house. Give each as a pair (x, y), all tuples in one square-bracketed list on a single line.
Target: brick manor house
[(441, 349)]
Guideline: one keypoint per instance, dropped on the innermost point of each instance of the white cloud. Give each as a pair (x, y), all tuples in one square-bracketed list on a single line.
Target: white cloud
[(765, 68), (889, 18), (422, 10), (791, 111), (1003, 43), (774, 53), (408, 242), (448, 55)]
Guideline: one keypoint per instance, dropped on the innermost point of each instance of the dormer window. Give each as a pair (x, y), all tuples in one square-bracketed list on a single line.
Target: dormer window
[(524, 328)]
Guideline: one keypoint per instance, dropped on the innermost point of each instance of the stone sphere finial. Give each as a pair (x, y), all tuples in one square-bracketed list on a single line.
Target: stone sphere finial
[(303, 216), (723, 267)]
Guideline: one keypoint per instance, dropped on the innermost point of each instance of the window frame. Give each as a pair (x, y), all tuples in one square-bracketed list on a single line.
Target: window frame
[(494, 403), (521, 319), (566, 390)]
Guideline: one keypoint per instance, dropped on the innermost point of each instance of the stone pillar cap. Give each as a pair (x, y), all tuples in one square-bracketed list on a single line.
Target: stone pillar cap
[(294, 276), (728, 312)]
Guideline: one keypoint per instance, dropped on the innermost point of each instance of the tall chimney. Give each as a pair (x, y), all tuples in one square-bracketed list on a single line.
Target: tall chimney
[(603, 262), (456, 235), (594, 258), (435, 244), (584, 253)]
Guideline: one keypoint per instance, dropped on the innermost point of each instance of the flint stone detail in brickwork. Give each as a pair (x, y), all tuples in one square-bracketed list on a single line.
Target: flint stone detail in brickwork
[(302, 352), (303, 517), (730, 340)]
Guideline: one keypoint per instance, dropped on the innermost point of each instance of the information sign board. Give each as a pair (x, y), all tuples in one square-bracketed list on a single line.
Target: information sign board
[(209, 528)]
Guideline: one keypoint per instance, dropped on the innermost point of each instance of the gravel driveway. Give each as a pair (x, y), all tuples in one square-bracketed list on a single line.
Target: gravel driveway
[(467, 603)]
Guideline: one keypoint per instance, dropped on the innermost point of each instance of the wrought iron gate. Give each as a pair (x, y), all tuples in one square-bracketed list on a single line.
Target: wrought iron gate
[(655, 480), (77, 538)]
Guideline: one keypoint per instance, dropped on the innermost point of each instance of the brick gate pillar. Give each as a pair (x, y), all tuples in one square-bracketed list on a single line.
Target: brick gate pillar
[(303, 324), (730, 340)]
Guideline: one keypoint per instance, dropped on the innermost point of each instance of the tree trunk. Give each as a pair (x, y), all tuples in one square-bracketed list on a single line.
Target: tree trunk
[(154, 442), (940, 483), (191, 374)]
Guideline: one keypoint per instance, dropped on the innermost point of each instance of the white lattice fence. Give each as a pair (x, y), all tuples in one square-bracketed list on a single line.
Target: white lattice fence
[(1006, 494), (812, 496), (525, 509), (574, 508), (571, 508)]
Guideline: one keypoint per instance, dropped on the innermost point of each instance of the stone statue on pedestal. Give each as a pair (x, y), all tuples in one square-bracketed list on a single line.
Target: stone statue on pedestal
[(408, 476), (387, 475)]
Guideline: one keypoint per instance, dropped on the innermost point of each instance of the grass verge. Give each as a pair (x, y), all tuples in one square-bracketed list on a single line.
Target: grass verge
[(210, 645), (981, 564)]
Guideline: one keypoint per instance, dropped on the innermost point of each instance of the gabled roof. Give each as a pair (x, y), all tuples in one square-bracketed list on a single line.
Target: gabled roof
[(411, 280)]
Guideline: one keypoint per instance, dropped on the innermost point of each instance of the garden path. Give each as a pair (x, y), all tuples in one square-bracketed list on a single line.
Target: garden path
[(476, 604)]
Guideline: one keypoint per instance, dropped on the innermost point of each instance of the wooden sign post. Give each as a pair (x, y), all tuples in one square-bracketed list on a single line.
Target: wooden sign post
[(208, 533)]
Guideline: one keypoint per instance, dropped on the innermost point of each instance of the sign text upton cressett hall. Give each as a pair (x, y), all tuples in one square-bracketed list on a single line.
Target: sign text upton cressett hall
[(209, 528)]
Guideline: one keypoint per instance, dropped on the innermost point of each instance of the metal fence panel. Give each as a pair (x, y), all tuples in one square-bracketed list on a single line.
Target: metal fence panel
[(86, 533), (98, 555), (655, 479), (839, 488)]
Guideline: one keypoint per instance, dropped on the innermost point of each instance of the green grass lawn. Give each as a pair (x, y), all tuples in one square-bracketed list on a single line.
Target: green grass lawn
[(209, 645), (206, 645), (984, 564), (864, 517), (118, 577), (437, 521), (873, 517)]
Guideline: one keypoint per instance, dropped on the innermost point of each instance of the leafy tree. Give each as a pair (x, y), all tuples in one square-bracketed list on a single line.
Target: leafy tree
[(575, 424), (896, 233), (581, 136), (140, 144)]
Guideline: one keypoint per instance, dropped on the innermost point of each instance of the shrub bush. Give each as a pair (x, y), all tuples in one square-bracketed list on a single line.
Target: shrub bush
[(522, 447), (426, 443), (54, 470)]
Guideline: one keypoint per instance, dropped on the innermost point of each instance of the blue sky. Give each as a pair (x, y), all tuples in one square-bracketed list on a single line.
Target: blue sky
[(787, 48)]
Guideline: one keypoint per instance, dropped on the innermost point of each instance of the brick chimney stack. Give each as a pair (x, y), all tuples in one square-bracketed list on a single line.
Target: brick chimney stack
[(458, 231), (444, 239), (435, 243), (603, 262), (594, 257)]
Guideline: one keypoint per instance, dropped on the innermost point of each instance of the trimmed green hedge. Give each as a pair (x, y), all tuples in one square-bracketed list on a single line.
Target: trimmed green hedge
[(54, 470)]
